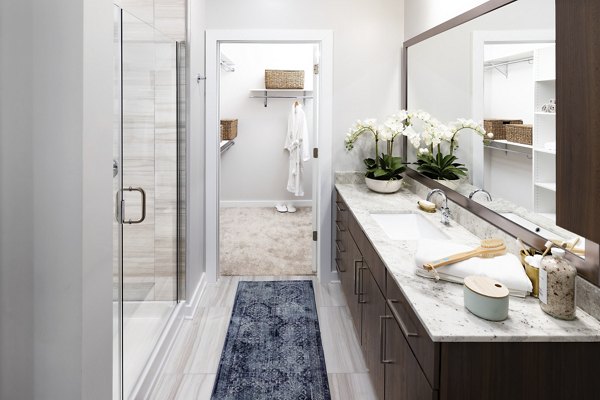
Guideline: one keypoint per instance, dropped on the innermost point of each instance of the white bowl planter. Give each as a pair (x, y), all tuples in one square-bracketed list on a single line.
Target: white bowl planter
[(390, 186)]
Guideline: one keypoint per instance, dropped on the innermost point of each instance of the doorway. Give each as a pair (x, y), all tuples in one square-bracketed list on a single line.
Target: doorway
[(320, 220), (266, 211)]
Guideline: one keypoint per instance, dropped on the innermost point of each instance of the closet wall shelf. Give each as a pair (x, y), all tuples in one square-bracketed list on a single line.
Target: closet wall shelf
[(281, 94)]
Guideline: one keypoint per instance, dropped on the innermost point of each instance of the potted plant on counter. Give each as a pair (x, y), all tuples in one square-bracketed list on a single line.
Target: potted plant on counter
[(436, 144), (384, 171)]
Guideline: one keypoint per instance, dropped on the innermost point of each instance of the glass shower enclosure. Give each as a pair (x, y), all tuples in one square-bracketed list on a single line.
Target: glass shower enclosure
[(148, 149)]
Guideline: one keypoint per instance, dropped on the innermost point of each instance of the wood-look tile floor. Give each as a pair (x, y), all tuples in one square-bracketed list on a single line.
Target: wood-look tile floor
[(191, 368)]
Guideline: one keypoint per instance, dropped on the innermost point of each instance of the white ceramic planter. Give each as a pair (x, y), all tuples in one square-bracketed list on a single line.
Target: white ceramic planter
[(450, 184), (386, 187)]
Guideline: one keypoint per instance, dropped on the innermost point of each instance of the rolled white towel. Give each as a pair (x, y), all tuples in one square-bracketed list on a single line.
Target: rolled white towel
[(506, 269)]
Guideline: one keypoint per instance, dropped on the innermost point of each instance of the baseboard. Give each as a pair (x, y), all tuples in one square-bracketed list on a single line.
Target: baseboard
[(185, 310), (149, 376), (264, 203), (191, 306)]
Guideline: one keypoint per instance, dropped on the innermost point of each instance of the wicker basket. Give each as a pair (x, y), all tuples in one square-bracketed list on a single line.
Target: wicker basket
[(519, 133), (280, 79), (229, 129), (498, 127)]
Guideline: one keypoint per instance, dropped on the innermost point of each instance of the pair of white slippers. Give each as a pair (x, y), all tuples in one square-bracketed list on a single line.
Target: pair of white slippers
[(285, 208)]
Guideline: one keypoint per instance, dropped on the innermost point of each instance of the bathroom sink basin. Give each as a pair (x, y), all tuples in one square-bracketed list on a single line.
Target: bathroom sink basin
[(407, 226)]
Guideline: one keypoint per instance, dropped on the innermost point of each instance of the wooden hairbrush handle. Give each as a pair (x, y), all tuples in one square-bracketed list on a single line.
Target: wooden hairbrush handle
[(453, 259)]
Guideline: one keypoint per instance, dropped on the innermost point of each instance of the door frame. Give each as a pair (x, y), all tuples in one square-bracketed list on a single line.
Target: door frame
[(322, 196)]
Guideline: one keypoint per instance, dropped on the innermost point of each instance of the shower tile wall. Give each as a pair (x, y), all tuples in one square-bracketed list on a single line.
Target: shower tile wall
[(168, 16), (150, 146)]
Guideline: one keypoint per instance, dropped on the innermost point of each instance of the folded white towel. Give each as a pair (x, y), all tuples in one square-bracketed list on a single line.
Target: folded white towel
[(506, 269)]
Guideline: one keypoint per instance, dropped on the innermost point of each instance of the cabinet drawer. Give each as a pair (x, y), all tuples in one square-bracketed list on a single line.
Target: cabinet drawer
[(404, 379), (368, 252), (425, 350)]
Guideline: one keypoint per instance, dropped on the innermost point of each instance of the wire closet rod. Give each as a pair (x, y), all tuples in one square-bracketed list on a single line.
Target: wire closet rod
[(520, 60), (507, 150)]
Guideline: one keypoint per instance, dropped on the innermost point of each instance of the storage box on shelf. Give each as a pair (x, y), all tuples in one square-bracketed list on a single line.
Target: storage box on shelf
[(284, 79), (229, 129), (498, 126)]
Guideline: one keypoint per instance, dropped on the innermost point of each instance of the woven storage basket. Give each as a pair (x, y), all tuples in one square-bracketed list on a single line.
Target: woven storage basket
[(229, 129), (281, 79), (519, 133), (498, 127)]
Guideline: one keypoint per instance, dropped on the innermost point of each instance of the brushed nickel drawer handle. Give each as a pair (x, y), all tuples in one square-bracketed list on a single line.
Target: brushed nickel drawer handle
[(339, 226), (337, 265), (337, 246), (383, 339), (361, 285), (355, 275), (399, 320), (337, 205)]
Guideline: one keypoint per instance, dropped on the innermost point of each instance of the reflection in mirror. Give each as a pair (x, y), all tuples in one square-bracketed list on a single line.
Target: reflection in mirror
[(499, 71)]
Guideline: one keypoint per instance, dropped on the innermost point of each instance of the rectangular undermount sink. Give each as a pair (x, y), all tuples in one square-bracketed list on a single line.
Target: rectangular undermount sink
[(408, 226)]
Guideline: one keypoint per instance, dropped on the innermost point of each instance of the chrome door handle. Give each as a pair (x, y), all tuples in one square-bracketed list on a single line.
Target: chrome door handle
[(383, 339), (361, 281), (143, 217)]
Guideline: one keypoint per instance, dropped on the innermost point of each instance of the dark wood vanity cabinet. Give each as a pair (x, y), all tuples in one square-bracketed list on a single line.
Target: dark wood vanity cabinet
[(406, 364)]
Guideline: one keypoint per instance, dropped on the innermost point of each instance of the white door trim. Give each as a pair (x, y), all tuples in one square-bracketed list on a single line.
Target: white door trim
[(324, 38)]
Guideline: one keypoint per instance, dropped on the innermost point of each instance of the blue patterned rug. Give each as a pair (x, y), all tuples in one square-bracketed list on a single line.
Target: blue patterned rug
[(273, 347)]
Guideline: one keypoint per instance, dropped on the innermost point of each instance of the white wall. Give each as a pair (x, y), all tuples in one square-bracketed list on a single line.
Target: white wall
[(195, 249), (368, 37), (55, 276), (256, 168), (425, 14)]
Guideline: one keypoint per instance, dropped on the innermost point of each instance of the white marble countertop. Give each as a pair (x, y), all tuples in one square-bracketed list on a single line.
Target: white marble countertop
[(439, 305)]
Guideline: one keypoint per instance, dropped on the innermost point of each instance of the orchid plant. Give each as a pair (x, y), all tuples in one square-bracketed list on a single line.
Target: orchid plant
[(385, 166), (431, 160)]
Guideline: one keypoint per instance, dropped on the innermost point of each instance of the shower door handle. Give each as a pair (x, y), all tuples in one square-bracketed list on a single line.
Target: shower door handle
[(143, 217)]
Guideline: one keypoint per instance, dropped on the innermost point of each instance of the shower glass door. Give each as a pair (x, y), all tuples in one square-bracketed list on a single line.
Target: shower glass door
[(146, 201)]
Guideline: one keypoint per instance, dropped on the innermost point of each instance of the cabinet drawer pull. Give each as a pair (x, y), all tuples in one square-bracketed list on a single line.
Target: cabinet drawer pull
[(337, 246), (361, 285), (339, 226), (399, 320), (383, 339), (337, 265), (340, 209), (356, 275)]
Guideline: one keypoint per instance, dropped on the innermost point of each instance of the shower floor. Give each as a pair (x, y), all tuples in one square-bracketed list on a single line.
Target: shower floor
[(143, 324), (262, 241)]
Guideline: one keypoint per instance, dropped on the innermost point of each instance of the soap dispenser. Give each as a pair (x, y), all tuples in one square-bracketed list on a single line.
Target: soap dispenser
[(557, 285)]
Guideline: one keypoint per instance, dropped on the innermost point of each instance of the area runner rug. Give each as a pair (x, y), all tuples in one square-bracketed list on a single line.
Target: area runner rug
[(273, 346)]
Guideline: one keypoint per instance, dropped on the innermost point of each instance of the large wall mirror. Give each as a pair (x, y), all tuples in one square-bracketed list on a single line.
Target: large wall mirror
[(499, 68)]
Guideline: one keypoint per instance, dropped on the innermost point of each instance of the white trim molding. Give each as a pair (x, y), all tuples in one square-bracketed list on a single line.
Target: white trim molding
[(324, 181)]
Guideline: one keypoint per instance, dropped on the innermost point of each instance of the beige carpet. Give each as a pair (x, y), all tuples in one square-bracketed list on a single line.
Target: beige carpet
[(261, 241)]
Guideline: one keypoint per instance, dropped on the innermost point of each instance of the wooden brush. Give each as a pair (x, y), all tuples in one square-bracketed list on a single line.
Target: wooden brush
[(489, 248)]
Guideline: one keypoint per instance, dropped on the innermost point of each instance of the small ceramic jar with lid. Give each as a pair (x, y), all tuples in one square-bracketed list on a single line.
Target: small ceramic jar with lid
[(557, 285)]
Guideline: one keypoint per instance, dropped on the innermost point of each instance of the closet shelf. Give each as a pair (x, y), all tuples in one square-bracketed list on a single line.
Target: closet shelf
[(547, 185), (552, 152), (281, 94), (545, 113), (506, 142)]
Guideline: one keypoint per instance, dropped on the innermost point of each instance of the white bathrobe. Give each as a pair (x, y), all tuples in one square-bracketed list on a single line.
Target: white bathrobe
[(296, 142)]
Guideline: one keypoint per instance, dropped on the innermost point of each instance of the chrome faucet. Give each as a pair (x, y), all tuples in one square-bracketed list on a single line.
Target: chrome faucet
[(445, 211), (474, 192)]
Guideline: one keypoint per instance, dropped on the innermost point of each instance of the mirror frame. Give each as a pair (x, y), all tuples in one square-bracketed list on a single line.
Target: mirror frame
[(588, 268)]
